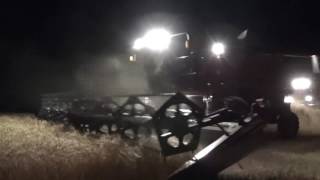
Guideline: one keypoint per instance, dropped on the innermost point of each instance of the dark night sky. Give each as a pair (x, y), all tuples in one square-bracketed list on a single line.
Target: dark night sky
[(41, 41)]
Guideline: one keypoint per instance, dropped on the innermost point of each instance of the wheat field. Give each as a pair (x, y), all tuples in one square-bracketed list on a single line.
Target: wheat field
[(31, 148), (275, 158), (35, 149)]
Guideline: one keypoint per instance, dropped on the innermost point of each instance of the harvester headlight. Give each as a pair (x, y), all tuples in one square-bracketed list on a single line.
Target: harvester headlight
[(288, 99), (301, 83), (308, 98), (218, 49), (155, 40)]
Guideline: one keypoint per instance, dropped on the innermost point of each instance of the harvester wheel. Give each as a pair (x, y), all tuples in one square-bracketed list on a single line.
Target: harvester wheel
[(288, 125)]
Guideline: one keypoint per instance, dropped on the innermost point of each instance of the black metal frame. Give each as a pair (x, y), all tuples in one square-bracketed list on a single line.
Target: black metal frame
[(178, 118)]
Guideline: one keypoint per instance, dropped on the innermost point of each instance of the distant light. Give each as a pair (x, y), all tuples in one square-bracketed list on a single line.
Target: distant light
[(301, 83), (131, 59), (155, 40), (288, 99), (218, 49), (308, 98)]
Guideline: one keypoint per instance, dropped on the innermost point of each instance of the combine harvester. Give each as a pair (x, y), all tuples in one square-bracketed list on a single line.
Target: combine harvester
[(238, 98)]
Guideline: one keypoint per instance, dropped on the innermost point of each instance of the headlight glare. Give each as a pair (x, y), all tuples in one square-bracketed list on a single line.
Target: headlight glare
[(218, 49), (288, 99), (308, 98), (301, 83)]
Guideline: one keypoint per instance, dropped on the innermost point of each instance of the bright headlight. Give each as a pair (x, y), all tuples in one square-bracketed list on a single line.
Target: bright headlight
[(288, 99), (155, 40), (218, 49), (308, 98), (301, 83)]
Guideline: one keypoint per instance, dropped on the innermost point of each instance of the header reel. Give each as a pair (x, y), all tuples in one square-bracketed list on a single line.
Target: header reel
[(177, 123)]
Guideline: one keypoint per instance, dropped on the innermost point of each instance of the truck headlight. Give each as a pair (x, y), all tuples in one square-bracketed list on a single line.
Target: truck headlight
[(301, 83), (288, 99), (308, 98)]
